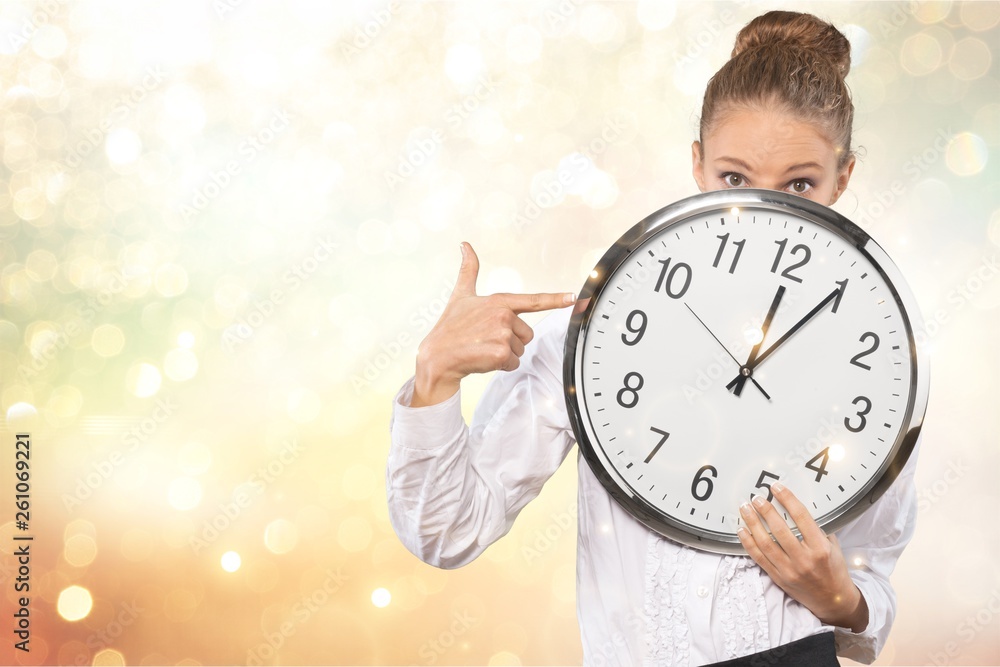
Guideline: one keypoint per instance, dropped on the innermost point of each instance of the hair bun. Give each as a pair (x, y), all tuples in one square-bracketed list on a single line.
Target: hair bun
[(781, 28)]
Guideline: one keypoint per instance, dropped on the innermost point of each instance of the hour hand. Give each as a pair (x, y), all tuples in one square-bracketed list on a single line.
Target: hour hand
[(746, 370)]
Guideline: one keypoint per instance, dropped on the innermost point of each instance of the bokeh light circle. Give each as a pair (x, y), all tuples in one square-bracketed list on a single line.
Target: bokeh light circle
[(921, 54), (107, 340), (143, 379), (49, 42), (230, 561), (994, 228), (970, 59), (504, 659), (463, 63), (185, 339), (931, 11), (281, 536), (109, 657), (966, 154), (381, 597), (80, 550), (122, 146), (980, 16), (74, 603)]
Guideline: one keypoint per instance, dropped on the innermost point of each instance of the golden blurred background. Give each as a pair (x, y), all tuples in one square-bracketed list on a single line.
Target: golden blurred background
[(225, 225)]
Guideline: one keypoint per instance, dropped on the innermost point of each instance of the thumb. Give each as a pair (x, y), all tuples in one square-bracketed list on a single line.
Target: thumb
[(465, 285)]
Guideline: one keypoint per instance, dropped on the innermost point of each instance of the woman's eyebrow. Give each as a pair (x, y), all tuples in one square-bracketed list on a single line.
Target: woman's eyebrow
[(804, 165), (735, 160)]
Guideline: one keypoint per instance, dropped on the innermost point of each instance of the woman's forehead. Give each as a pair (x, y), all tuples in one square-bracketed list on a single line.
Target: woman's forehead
[(756, 139)]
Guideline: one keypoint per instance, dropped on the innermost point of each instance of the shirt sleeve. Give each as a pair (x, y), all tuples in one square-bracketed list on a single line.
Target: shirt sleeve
[(872, 544), (455, 489)]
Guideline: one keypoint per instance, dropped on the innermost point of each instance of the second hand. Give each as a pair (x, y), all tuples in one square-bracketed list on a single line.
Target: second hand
[(756, 384)]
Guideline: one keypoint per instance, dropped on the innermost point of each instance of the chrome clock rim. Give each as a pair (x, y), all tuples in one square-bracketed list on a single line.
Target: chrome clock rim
[(682, 212)]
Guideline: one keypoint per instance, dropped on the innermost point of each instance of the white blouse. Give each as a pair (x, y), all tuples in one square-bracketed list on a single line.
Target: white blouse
[(641, 599)]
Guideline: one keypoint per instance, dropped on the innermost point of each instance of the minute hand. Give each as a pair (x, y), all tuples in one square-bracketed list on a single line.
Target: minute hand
[(832, 296)]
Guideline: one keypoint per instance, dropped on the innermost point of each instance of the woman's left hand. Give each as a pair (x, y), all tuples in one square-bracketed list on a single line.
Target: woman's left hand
[(813, 570)]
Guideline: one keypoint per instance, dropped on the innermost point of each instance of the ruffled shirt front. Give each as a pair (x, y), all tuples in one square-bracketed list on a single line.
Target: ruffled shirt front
[(454, 489)]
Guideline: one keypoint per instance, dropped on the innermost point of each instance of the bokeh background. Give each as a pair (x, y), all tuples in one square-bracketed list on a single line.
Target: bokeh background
[(225, 225)]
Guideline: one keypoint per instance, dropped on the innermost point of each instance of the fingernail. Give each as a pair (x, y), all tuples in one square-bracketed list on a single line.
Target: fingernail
[(569, 298), (742, 532), (759, 501), (745, 508), (777, 487), (461, 246)]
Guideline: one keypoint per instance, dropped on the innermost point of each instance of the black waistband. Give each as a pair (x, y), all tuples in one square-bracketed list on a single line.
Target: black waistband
[(813, 651)]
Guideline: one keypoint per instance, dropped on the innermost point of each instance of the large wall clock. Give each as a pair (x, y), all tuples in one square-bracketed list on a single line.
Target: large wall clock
[(736, 338)]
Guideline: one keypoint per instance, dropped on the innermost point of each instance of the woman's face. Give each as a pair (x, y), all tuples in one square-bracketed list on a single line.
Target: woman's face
[(768, 149)]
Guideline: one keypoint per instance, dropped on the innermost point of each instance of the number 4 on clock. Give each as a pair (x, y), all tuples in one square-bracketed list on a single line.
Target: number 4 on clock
[(820, 470)]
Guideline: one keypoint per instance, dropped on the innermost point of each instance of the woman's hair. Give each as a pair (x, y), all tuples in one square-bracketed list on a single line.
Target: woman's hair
[(790, 61)]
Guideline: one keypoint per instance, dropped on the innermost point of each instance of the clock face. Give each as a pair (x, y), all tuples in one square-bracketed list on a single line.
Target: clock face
[(734, 339)]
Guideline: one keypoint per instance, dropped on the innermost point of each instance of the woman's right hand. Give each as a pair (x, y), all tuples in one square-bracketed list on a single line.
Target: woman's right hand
[(475, 334)]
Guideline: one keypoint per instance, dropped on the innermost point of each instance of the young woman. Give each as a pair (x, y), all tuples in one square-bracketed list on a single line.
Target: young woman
[(778, 115)]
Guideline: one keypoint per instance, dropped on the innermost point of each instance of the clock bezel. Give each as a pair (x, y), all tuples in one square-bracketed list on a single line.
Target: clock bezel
[(683, 211)]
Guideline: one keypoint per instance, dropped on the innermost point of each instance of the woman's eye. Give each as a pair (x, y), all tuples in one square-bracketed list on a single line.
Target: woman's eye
[(733, 180), (801, 186)]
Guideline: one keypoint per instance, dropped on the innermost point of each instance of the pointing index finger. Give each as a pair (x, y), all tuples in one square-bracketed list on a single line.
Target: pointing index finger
[(530, 303)]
